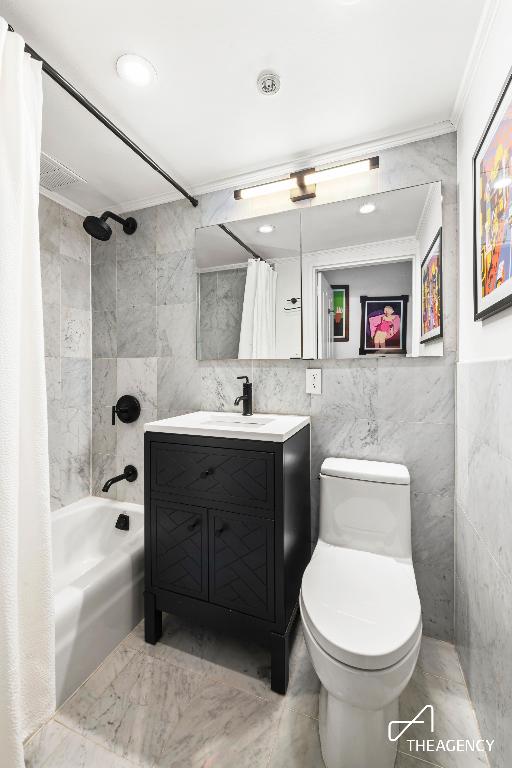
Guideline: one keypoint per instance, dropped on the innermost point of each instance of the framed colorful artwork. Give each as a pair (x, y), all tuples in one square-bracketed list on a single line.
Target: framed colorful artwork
[(432, 292), (383, 325), (341, 312), (492, 213)]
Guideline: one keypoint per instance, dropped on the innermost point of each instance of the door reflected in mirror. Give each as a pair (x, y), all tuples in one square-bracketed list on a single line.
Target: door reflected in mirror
[(249, 289), (371, 275)]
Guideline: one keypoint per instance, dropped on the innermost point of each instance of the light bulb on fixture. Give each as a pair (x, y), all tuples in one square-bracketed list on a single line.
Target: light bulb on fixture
[(367, 208), (135, 70), (266, 229), (338, 172)]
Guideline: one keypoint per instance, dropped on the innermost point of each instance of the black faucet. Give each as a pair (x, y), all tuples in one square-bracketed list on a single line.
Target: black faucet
[(130, 474), (246, 397)]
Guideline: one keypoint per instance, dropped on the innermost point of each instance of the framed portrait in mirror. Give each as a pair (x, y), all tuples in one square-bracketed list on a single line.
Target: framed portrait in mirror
[(492, 212), (383, 325), (432, 292), (341, 311)]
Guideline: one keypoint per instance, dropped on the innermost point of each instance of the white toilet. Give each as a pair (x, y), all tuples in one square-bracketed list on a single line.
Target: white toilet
[(360, 609)]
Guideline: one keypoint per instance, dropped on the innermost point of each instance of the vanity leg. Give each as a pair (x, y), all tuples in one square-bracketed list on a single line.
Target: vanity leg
[(280, 652), (152, 619)]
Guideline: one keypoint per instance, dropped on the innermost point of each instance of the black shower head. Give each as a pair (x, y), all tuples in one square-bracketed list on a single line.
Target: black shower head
[(96, 226)]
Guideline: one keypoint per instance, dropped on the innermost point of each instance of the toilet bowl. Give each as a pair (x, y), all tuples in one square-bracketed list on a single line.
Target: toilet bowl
[(360, 609)]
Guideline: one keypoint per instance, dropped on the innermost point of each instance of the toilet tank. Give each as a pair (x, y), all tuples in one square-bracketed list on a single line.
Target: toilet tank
[(366, 505)]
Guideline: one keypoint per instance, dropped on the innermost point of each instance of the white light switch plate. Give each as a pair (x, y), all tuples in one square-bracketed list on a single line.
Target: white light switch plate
[(313, 381)]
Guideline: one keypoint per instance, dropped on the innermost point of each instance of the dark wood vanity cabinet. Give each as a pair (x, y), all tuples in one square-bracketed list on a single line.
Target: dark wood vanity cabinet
[(227, 535)]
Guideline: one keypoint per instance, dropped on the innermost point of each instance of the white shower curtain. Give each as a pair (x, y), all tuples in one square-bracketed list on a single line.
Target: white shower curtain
[(258, 329), (27, 688)]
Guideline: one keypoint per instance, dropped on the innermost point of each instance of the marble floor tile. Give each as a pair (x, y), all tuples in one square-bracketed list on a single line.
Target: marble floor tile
[(239, 664), (440, 659), (43, 743), (406, 761), (297, 742), (132, 705), (200, 699), (304, 685), (454, 718), (242, 665), (55, 746), (222, 727)]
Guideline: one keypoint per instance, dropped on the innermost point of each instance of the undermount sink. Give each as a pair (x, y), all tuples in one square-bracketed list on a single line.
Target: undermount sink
[(241, 421), (268, 426)]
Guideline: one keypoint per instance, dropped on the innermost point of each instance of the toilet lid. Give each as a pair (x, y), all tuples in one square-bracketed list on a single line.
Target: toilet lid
[(363, 609)]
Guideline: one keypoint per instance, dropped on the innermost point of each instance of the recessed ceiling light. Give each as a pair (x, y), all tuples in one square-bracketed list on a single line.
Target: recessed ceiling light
[(266, 229), (135, 70), (367, 208)]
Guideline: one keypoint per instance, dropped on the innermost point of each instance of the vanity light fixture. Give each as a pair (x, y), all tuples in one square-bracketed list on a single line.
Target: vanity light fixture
[(135, 69), (266, 229), (302, 184), (367, 208)]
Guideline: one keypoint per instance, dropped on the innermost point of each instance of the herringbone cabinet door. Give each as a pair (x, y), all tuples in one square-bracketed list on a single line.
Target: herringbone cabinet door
[(180, 548), (242, 563), (214, 474)]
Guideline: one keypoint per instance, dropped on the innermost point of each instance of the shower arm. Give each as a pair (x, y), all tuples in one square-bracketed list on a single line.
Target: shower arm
[(111, 215), (95, 112)]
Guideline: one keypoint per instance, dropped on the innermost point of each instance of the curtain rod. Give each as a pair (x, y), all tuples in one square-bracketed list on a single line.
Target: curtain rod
[(95, 112), (240, 242)]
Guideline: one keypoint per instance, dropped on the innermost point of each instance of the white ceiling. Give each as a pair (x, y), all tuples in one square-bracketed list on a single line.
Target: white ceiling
[(340, 225), (350, 74), (215, 248)]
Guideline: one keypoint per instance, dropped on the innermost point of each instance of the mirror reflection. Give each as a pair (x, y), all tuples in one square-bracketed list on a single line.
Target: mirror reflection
[(371, 275), (249, 289), (342, 280)]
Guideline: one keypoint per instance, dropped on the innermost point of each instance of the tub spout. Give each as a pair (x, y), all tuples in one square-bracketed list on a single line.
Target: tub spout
[(130, 474)]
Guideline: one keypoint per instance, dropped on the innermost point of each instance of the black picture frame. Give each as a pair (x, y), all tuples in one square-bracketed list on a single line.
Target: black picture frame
[(506, 301), (392, 300), (346, 337), (439, 334)]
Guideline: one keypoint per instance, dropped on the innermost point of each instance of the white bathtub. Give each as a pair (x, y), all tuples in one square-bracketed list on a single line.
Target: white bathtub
[(98, 578)]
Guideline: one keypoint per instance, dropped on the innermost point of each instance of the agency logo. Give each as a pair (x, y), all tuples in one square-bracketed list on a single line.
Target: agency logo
[(407, 723), (397, 728)]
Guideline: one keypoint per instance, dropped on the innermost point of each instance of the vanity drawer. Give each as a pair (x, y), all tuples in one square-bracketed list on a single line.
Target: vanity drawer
[(227, 475)]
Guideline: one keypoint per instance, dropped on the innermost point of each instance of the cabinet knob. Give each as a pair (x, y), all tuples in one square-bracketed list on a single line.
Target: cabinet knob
[(220, 531), (194, 525), (207, 472)]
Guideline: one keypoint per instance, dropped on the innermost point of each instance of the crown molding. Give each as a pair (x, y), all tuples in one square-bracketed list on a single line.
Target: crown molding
[(330, 156), (64, 202), (482, 33), (427, 207)]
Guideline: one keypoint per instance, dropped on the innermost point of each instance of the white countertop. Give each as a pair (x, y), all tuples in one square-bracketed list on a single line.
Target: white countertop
[(275, 428)]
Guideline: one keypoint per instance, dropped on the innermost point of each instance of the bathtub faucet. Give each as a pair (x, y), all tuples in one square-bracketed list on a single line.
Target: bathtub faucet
[(130, 474)]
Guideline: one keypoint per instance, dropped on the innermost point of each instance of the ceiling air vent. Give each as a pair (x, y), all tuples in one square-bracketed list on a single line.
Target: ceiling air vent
[(55, 176)]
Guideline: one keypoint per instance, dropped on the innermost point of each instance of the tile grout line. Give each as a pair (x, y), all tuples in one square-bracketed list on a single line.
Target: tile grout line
[(418, 759), (88, 739), (219, 681), (439, 677), (465, 684)]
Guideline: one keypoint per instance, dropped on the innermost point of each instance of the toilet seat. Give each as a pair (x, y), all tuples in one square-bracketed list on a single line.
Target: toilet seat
[(363, 609)]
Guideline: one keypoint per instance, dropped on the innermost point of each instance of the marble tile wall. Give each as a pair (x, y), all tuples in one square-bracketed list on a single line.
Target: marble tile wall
[(143, 341), (483, 551), (66, 283), (221, 301)]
